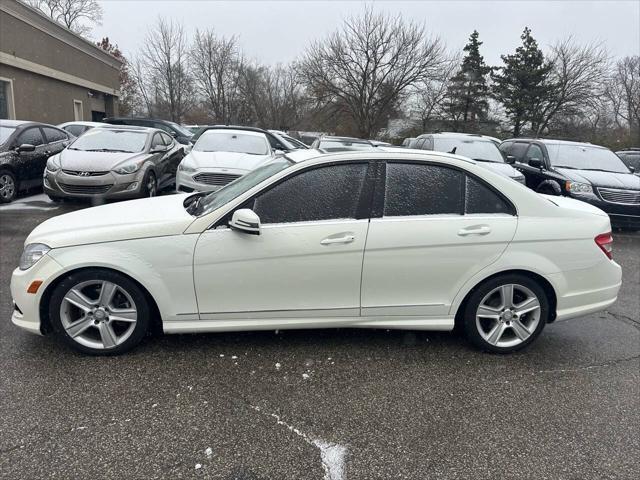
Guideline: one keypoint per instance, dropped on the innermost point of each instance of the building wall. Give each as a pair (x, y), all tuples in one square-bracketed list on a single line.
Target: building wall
[(43, 99)]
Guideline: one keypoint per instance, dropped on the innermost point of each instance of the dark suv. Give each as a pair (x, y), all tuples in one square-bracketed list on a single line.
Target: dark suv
[(24, 150), (181, 134), (582, 171)]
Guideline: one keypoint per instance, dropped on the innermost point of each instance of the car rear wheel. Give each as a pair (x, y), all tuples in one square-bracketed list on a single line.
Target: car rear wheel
[(150, 185), (99, 312), (506, 313), (8, 186)]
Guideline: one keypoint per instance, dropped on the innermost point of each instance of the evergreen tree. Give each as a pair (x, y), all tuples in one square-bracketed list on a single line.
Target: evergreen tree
[(468, 91), (522, 85)]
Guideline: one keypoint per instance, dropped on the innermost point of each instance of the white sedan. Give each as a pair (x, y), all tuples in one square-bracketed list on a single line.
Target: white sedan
[(405, 240)]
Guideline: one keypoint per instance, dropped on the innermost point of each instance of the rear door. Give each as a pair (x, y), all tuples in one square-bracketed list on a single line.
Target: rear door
[(436, 227)]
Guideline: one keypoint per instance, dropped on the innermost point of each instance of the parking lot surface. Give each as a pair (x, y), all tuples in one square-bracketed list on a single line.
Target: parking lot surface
[(322, 404)]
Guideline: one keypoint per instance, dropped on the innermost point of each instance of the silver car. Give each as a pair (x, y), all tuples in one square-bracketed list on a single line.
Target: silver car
[(114, 162)]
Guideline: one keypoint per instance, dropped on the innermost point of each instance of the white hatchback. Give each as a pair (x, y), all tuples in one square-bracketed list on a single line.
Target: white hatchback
[(404, 240)]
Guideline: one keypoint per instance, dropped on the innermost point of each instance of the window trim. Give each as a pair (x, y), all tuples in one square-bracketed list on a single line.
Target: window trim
[(11, 105), (381, 183), (78, 102), (364, 203)]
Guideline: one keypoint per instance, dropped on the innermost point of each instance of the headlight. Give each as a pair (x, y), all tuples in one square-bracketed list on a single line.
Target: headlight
[(186, 168), (126, 169), (32, 253), (52, 164), (577, 187)]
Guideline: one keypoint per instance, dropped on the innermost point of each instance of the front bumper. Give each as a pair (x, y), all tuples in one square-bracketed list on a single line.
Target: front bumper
[(108, 186), (26, 311), (206, 179)]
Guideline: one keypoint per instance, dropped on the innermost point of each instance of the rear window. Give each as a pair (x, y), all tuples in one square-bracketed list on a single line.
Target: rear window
[(474, 148), (234, 142)]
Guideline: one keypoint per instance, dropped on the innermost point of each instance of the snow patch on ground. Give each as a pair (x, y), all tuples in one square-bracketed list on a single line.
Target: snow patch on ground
[(34, 202), (332, 455)]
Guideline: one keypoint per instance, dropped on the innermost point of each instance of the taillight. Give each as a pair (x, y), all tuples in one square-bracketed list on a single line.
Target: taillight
[(605, 242)]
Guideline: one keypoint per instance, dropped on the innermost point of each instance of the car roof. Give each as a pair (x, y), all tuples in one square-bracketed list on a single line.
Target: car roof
[(551, 141), (242, 131), (233, 127), (83, 123), (130, 128), (458, 135), (344, 139), (298, 156), (20, 123)]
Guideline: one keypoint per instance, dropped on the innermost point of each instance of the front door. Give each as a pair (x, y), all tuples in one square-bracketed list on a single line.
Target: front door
[(31, 164), (306, 262), (439, 226)]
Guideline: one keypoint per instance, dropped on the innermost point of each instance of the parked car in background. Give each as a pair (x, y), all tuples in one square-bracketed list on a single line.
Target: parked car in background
[(181, 134), (78, 128), (476, 147), (407, 141), (342, 144), (193, 128), (378, 239), (114, 162), (285, 138), (380, 143), (631, 158), (222, 154), (583, 171), (25, 148)]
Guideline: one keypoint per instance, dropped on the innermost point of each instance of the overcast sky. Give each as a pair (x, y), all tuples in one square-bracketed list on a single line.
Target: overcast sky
[(277, 31)]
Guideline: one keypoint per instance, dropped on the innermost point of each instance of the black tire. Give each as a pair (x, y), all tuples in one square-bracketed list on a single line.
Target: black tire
[(149, 185), (55, 199), (139, 298), (472, 329), (549, 187), (8, 186)]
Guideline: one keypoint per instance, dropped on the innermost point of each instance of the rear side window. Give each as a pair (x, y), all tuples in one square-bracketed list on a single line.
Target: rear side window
[(419, 189), (481, 199), (75, 130), (31, 136), (325, 193), (54, 135)]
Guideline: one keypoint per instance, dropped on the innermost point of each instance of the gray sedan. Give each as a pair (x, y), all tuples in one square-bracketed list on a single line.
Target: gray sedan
[(118, 162)]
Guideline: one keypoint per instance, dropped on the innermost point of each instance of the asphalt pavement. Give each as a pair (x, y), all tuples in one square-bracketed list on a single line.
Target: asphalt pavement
[(322, 404)]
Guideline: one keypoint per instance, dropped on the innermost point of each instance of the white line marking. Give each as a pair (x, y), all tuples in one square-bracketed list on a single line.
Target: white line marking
[(331, 454)]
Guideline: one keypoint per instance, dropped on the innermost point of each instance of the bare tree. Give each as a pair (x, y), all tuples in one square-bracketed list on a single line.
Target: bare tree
[(364, 69), (430, 96), (76, 15), (217, 64), (577, 78), (623, 91), (165, 62)]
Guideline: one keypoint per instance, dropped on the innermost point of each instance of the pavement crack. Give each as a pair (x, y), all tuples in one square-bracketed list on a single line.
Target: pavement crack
[(590, 367), (625, 319)]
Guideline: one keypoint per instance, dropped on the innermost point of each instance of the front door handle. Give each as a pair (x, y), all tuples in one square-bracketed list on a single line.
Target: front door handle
[(475, 230), (347, 238)]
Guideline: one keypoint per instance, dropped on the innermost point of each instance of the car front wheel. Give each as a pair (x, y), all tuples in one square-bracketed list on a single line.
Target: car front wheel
[(506, 313), (99, 312), (150, 185), (8, 186)]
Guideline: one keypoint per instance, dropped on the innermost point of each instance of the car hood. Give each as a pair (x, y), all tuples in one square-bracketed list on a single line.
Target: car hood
[(79, 160), (626, 181), (148, 217), (232, 160), (501, 168)]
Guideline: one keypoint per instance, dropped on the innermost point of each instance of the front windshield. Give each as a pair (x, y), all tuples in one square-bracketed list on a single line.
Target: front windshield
[(5, 133), (236, 188), (474, 148), (107, 140), (225, 141), (585, 157), (344, 146)]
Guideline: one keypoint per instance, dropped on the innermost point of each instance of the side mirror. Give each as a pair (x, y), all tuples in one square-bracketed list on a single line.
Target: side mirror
[(25, 147), (278, 153), (245, 220), (510, 159), (633, 169), (535, 162), (159, 149)]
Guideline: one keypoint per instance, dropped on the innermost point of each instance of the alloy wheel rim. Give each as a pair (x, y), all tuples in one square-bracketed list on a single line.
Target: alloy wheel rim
[(508, 315), (98, 314), (7, 186)]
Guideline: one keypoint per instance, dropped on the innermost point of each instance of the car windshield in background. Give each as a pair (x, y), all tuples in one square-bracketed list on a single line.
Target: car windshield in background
[(223, 141), (5, 133), (474, 148), (345, 146), (238, 187), (584, 157), (107, 140)]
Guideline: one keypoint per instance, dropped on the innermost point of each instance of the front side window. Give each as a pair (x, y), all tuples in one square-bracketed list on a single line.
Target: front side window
[(54, 135), (107, 140), (420, 189), (534, 152), (168, 140), (157, 141), (518, 149), (225, 141), (324, 193), (31, 136)]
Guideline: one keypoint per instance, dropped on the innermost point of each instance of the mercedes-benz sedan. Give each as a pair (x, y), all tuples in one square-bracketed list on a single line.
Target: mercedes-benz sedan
[(404, 240)]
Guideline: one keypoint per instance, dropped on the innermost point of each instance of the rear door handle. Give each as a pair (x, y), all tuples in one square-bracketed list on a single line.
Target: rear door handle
[(475, 230), (347, 238)]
